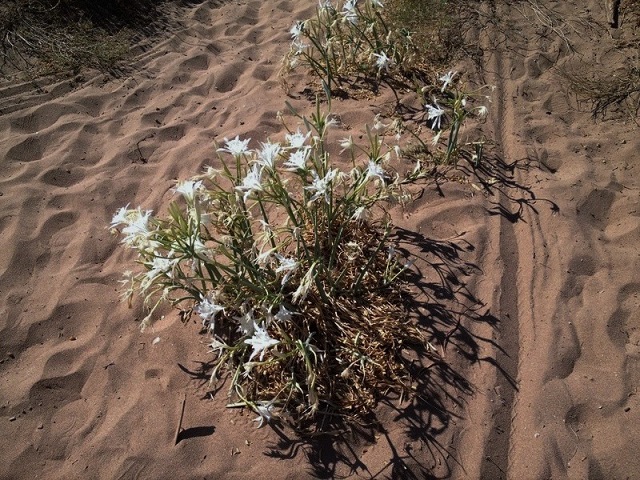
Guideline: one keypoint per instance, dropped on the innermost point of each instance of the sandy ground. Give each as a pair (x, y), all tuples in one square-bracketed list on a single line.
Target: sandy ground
[(530, 266)]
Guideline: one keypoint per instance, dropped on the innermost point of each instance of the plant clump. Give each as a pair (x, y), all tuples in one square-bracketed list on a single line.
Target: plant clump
[(286, 259), (377, 42)]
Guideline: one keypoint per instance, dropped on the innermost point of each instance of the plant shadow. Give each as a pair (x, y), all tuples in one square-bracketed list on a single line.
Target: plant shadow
[(497, 179), (413, 434), (194, 432)]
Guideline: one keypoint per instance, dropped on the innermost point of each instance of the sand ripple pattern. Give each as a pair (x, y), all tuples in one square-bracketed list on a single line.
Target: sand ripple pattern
[(540, 269)]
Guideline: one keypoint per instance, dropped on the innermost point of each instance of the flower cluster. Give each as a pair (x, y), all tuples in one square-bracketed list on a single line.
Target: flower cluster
[(275, 250), (449, 116), (348, 38)]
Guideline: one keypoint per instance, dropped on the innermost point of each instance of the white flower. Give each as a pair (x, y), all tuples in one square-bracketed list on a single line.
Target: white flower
[(159, 266), (287, 265), (321, 186), (376, 4), (382, 61), (283, 314), (482, 111), (446, 79), (263, 409), (297, 160), (349, 11), (296, 30), (325, 5), (346, 143), (246, 321), (378, 125), (252, 182), (296, 140), (188, 189), (331, 121), (120, 217), (375, 170), (236, 147), (208, 309), (268, 154), (162, 265), (361, 214), (435, 113), (260, 341), (136, 231), (297, 46)]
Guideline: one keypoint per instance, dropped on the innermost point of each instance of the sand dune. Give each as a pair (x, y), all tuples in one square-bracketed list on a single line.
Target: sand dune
[(531, 265)]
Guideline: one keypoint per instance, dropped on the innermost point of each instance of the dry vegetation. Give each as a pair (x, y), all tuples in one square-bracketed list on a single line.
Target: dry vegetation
[(40, 37), (616, 85)]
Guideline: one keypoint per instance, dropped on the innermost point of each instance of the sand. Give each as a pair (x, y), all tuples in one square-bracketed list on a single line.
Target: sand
[(530, 265)]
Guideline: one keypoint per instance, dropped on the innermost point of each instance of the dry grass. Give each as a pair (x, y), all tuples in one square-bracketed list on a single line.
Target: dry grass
[(604, 91), (360, 340), (40, 37)]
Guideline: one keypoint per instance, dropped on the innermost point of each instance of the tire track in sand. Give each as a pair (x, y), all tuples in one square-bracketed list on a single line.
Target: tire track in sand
[(496, 456), (530, 436)]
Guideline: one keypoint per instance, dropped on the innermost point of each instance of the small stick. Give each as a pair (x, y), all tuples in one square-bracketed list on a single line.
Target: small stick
[(184, 402)]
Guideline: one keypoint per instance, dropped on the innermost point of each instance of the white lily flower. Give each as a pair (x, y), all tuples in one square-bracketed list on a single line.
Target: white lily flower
[(283, 314), (321, 186), (482, 111), (137, 230), (297, 46), (207, 309), (446, 79), (268, 154), (263, 409), (120, 217), (159, 265), (346, 143), (260, 341), (236, 147), (382, 61), (246, 321), (375, 170), (349, 12), (331, 121), (287, 265), (378, 125), (361, 214), (188, 189), (297, 30), (297, 160), (210, 172), (199, 247), (163, 265), (296, 140), (435, 113), (252, 182)]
